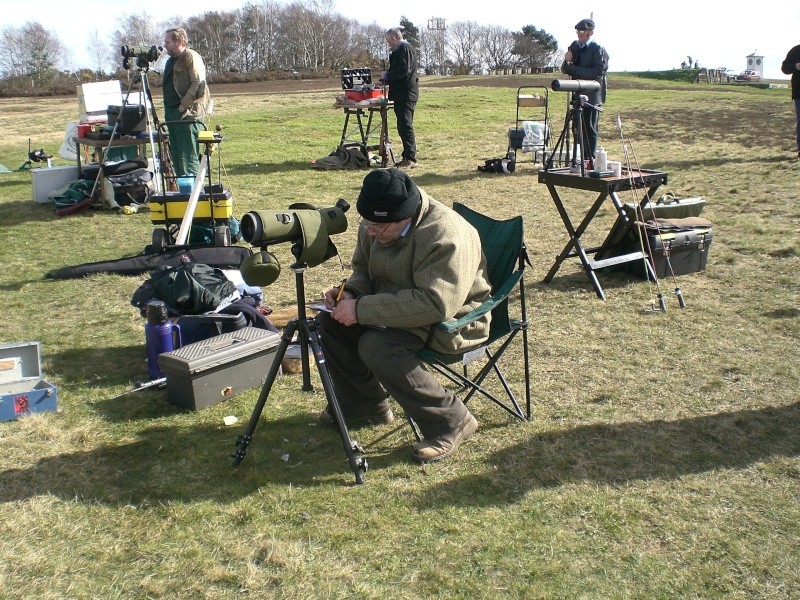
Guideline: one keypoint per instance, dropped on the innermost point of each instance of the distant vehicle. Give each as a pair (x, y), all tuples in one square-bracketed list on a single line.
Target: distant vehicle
[(748, 75)]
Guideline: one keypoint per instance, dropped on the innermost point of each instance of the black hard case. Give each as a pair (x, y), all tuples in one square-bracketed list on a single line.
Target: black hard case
[(685, 251)]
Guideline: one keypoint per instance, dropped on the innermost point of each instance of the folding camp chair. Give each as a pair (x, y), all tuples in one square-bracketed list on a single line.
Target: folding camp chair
[(504, 246)]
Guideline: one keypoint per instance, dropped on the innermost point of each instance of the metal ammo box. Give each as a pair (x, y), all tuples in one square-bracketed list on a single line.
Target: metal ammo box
[(204, 373)]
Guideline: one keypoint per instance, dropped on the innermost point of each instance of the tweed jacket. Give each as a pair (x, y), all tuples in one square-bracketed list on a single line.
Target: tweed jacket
[(189, 79), (435, 273)]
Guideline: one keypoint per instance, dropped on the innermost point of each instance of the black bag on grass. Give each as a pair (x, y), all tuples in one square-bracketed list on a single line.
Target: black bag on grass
[(192, 288)]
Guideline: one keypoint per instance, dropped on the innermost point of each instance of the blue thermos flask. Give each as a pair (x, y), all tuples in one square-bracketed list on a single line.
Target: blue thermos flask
[(161, 335)]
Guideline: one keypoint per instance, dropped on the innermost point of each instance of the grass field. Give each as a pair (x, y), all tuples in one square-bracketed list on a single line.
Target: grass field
[(662, 459)]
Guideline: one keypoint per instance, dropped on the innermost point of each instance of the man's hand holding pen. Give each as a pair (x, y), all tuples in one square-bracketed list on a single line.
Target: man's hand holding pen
[(342, 304)]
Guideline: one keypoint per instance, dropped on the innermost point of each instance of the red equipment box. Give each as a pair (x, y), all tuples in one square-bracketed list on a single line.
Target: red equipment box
[(363, 94)]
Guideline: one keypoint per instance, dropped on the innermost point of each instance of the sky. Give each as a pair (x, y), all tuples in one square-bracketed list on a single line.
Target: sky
[(638, 36)]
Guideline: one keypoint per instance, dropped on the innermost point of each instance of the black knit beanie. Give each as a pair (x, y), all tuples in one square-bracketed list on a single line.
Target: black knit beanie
[(388, 196)]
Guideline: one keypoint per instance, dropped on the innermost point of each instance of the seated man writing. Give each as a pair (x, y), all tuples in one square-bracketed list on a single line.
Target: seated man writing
[(416, 263)]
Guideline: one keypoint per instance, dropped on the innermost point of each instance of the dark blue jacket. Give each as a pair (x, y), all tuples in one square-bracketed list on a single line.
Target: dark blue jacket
[(789, 67), (589, 63)]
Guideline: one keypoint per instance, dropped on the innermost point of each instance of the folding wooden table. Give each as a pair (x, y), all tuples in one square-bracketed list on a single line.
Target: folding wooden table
[(369, 130), (642, 181)]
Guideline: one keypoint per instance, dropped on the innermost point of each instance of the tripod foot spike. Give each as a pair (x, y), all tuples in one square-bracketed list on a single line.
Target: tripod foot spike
[(679, 294)]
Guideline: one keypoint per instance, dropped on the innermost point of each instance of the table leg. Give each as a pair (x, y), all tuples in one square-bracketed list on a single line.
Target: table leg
[(78, 155), (573, 247), (344, 129)]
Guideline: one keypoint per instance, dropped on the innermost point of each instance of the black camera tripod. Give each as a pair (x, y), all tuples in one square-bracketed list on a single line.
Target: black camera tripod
[(151, 120), (307, 328), (574, 122)]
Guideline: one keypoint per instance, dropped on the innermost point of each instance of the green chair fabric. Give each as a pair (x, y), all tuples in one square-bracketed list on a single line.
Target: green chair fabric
[(506, 256)]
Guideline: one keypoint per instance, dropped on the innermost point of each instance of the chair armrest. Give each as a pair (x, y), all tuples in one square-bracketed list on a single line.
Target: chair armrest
[(491, 302)]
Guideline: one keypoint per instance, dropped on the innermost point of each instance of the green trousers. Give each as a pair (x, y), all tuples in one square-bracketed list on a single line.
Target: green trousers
[(183, 147)]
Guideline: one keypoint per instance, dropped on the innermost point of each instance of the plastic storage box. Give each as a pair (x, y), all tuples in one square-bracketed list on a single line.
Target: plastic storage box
[(46, 180), (687, 252), (205, 373), (170, 207), (22, 389)]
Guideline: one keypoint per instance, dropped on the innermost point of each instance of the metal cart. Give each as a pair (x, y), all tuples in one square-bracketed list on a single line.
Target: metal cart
[(532, 106), (172, 205)]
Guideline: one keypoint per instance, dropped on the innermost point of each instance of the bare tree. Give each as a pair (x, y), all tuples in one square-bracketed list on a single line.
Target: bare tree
[(497, 44), (369, 46), (463, 42), (212, 34), (265, 36), (98, 52), (12, 52), (138, 29), (31, 51)]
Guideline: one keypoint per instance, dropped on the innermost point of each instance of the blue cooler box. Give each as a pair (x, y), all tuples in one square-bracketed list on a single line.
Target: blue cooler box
[(22, 389)]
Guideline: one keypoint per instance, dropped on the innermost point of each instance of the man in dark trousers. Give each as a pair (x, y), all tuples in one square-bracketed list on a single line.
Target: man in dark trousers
[(589, 61), (403, 91), (791, 66), (416, 263)]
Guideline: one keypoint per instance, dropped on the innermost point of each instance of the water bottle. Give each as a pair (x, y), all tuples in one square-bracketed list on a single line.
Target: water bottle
[(161, 335), (601, 160)]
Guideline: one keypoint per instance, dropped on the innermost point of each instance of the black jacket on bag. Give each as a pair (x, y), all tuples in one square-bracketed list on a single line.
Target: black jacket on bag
[(402, 74)]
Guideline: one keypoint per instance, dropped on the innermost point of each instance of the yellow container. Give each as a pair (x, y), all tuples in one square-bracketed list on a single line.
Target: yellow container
[(171, 207)]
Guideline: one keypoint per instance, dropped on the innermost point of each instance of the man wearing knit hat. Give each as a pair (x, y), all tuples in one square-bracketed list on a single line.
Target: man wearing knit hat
[(416, 263)]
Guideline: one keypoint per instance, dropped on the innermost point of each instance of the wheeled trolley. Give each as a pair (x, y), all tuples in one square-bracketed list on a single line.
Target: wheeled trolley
[(531, 131), (179, 200)]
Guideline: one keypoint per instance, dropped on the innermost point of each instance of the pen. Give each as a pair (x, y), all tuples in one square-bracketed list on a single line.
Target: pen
[(341, 290)]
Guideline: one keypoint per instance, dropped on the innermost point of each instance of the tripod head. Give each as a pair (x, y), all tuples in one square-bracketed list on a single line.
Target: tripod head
[(580, 101)]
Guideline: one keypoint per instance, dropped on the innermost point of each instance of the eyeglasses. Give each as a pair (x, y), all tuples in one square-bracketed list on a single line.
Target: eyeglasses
[(366, 225)]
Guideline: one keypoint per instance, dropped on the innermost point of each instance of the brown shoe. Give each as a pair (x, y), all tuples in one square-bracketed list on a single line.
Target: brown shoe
[(381, 414), (406, 164), (443, 446)]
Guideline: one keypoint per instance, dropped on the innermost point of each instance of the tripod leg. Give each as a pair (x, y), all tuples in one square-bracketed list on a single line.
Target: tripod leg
[(357, 463), (243, 441)]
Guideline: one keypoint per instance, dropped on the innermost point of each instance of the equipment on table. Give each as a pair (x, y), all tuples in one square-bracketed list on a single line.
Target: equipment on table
[(575, 154), (361, 95)]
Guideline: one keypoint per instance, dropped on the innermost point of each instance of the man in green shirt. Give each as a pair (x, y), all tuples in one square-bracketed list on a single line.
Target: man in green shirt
[(186, 98)]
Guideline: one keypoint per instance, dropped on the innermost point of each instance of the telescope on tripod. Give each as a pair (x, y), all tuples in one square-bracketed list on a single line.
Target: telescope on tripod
[(574, 148), (136, 59), (308, 229)]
